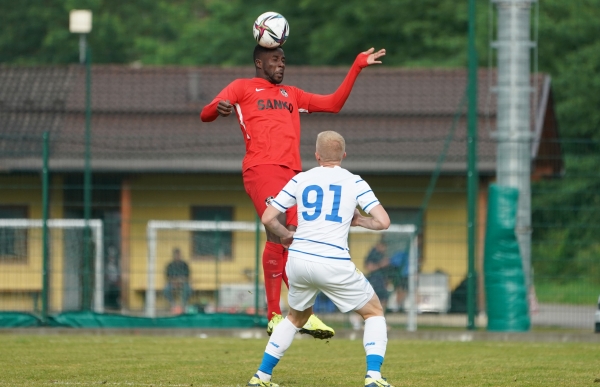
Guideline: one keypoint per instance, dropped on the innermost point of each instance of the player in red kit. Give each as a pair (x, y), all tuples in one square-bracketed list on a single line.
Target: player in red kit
[(269, 117)]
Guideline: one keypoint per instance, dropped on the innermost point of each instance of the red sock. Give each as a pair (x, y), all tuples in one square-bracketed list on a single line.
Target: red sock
[(273, 268), (284, 275)]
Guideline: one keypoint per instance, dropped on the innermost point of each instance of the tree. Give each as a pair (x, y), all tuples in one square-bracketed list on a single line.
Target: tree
[(566, 210)]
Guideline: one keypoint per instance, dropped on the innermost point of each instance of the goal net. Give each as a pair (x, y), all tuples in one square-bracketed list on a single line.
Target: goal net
[(225, 263), (72, 283)]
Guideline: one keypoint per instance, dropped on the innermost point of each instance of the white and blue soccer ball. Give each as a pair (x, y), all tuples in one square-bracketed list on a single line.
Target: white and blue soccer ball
[(271, 30)]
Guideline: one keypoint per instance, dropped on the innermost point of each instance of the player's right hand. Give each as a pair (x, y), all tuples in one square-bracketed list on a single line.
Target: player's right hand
[(224, 108), (287, 241)]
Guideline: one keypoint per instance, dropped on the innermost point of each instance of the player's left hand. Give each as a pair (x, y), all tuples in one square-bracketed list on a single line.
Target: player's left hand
[(373, 56)]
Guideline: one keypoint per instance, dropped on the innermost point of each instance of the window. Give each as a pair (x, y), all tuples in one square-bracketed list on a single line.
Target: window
[(13, 241), (206, 244)]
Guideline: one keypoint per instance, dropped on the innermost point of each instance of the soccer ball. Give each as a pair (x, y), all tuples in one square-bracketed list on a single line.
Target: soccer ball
[(271, 30)]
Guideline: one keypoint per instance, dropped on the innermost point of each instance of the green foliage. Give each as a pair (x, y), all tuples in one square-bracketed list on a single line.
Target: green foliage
[(570, 52), (195, 32), (566, 211), (566, 214), (566, 291)]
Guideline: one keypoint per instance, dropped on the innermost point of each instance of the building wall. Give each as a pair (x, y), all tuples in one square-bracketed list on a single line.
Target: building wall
[(153, 199), (445, 234), (171, 196), (21, 282), (444, 248)]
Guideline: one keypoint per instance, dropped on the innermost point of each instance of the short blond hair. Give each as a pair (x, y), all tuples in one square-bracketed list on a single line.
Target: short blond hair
[(331, 146)]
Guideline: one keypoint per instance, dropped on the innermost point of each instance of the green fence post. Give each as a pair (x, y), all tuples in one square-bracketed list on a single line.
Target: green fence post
[(45, 204), (217, 259), (472, 176)]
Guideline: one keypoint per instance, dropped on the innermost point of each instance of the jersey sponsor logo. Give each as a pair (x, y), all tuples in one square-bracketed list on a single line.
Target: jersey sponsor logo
[(283, 92), (269, 200), (274, 104), (257, 89)]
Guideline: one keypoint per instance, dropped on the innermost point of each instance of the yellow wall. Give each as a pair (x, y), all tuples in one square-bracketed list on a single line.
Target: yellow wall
[(170, 197), (152, 199), (445, 231), (26, 190), (445, 236)]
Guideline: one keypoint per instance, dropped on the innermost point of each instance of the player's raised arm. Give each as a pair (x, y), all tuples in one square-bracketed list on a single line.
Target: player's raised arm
[(333, 103), (379, 219)]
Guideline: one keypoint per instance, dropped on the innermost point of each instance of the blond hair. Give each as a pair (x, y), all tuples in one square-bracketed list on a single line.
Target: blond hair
[(331, 146)]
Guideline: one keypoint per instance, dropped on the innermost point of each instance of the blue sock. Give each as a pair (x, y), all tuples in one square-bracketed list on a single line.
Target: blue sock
[(374, 363), (268, 363)]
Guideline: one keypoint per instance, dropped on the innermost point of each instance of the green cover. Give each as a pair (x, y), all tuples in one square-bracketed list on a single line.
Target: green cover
[(506, 296), (18, 320), (97, 320)]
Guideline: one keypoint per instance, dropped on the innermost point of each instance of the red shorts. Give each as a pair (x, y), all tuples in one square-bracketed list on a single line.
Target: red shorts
[(266, 181)]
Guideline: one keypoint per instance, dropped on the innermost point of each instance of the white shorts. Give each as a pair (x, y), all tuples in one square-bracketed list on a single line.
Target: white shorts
[(343, 284)]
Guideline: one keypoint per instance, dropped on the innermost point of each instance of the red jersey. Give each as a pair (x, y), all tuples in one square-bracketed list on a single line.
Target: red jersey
[(269, 115)]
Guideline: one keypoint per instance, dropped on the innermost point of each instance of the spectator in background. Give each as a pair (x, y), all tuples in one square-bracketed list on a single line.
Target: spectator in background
[(376, 264), (398, 276), (178, 280), (112, 280)]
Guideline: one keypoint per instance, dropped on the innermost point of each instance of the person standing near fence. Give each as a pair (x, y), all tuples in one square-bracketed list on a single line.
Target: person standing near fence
[(178, 280), (268, 114), (319, 260)]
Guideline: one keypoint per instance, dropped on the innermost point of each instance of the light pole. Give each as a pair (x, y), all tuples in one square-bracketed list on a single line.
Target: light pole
[(80, 22)]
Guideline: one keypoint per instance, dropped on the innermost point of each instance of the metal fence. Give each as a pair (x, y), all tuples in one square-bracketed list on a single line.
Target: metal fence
[(152, 160)]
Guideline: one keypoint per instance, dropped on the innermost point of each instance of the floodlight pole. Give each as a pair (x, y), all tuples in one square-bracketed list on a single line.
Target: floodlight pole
[(80, 22), (45, 214), (87, 179)]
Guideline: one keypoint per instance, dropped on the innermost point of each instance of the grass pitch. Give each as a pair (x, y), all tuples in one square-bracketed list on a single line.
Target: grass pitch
[(27, 360)]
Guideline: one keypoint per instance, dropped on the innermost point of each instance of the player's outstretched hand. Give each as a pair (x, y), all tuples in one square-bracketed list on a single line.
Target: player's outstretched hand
[(373, 56), (224, 108)]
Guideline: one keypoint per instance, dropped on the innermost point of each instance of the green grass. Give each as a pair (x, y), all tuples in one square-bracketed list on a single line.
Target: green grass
[(74, 360), (575, 292)]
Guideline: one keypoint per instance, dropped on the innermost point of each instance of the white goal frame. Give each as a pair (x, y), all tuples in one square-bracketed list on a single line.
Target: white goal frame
[(97, 234), (200, 225)]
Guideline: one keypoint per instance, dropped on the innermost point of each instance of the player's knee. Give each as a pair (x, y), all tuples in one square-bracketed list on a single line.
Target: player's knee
[(373, 308)]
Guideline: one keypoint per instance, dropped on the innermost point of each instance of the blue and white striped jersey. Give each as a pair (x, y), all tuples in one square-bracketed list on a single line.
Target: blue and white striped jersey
[(326, 199)]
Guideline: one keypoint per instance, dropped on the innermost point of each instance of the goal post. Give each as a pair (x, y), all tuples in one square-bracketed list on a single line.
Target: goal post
[(97, 235), (409, 231), (153, 227)]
